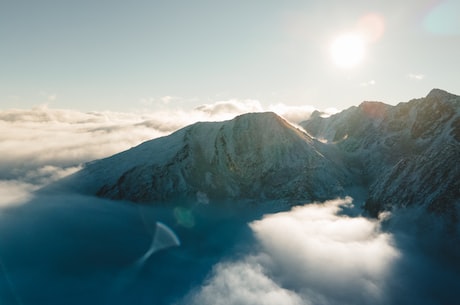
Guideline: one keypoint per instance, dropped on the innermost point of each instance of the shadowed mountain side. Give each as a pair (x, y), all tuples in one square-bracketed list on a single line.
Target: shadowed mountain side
[(254, 156), (409, 153)]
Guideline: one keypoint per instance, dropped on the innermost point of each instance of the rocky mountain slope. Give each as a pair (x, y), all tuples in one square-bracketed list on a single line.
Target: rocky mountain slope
[(404, 155), (409, 153), (254, 156)]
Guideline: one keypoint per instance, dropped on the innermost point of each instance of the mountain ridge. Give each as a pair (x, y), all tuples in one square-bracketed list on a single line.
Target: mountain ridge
[(254, 156), (403, 155), (409, 152)]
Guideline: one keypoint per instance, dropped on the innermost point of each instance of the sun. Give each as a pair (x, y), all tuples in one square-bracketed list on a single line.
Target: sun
[(347, 50)]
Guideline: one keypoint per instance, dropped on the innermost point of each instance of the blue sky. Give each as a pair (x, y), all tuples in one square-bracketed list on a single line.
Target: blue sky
[(125, 55)]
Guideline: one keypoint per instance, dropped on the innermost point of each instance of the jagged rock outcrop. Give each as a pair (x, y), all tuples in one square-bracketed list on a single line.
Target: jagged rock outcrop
[(409, 153), (404, 155)]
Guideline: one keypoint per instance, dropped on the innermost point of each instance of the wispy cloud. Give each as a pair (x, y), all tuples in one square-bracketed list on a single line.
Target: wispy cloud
[(230, 107), (153, 101), (368, 83), (294, 114), (14, 192), (44, 137), (243, 282), (50, 97), (416, 76), (39, 137)]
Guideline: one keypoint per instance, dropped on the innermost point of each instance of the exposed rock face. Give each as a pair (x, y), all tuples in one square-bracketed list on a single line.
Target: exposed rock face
[(254, 156), (409, 153), (404, 155)]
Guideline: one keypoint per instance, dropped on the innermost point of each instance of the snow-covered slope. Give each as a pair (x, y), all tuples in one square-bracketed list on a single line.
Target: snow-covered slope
[(409, 153), (403, 155), (254, 156)]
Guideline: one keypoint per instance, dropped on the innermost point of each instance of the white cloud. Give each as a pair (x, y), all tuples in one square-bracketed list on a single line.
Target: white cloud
[(50, 97), (44, 139), (415, 76), (167, 99), (48, 174), (294, 114), (41, 138), (330, 111), (242, 283), (368, 83), (328, 252), (152, 101), (309, 255), (147, 101), (13, 192), (230, 108)]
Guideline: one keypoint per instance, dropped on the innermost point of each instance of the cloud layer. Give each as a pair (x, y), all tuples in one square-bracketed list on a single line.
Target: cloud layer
[(74, 249), (309, 255), (41, 144)]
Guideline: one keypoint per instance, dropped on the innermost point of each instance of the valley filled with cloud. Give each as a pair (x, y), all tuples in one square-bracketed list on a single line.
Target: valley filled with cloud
[(71, 249)]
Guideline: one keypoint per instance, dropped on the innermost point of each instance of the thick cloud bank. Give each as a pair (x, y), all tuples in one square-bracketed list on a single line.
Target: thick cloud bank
[(35, 142), (314, 254), (35, 139), (309, 255), (42, 144)]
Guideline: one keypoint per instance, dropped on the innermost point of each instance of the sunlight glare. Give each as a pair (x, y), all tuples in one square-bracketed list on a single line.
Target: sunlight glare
[(347, 50)]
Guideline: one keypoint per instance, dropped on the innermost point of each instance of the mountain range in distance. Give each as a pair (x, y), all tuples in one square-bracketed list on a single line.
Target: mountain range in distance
[(403, 155)]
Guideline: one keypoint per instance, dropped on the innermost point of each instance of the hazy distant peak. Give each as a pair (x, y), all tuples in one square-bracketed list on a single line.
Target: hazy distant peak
[(440, 94)]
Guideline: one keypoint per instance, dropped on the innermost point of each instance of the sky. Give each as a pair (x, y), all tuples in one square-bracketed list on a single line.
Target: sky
[(82, 80), (157, 55)]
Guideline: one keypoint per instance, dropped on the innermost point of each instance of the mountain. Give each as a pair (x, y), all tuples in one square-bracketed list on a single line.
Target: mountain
[(409, 153), (403, 155), (254, 156)]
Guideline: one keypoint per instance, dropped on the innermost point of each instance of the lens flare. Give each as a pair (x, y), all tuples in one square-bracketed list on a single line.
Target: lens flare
[(371, 26), (164, 238)]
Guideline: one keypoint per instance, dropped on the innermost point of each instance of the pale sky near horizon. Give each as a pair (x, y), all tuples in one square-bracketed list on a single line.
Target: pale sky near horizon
[(125, 55)]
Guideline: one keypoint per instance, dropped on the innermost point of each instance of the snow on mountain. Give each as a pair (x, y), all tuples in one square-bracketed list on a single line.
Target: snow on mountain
[(254, 156), (403, 155), (409, 153)]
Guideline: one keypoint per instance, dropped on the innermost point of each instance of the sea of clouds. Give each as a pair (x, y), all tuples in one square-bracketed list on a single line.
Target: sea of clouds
[(74, 249)]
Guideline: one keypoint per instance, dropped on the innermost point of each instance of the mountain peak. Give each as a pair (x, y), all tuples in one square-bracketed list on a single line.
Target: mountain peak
[(374, 109), (249, 122), (259, 115), (439, 94), (262, 119), (253, 156)]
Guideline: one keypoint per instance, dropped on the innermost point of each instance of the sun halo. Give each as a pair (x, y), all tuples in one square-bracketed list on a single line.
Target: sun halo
[(347, 50)]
